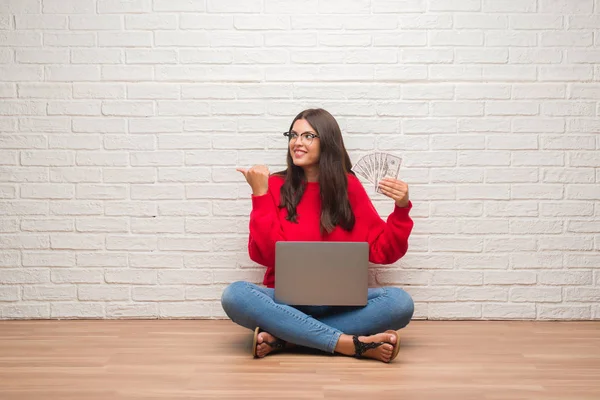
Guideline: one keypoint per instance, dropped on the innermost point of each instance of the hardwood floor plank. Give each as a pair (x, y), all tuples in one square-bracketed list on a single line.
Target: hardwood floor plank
[(209, 359)]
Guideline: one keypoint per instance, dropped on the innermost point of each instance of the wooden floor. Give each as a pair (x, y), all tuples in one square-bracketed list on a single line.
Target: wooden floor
[(190, 359)]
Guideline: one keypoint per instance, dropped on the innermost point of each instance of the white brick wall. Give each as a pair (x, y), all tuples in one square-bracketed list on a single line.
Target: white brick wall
[(122, 123)]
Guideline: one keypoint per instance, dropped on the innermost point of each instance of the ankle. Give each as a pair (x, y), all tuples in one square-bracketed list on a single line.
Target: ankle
[(345, 345)]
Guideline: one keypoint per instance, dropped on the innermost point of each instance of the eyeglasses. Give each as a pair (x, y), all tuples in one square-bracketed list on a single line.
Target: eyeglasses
[(306, 137)]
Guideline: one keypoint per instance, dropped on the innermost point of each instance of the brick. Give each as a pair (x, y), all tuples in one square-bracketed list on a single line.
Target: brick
[(102, 293), (201, 56), (488, 227), (536, 260), (565, 277), (534, 56), (7, 192), (455, 38), (482, 294), (75, 142), (583, 21), (583, 226), (129, 142), (509, 73), (584, 159), (186, 310), (103, 260), (77, 241), (582, 294), (21, 73), (565, 208), (541, 191), (24, 276), (447, 73), (26, 311), (181, 38), (47, 191), (20, 7), (583, 125), (509, 6), (103, 224), (535, 227), (180, 5), (125, 39), (75, 175), (22, 108), (95, 22), (157, 225), (131, 311), (567, 6), (454, 311), (42, 56), (568, 312), (69, 6), (9, 293), (11, 259), (204, 292), (582, 260), (155, 261), (509, 277), (76, 310), (131, 208), (148, 293), (98, 90), (509, 311), (70, 39), (76, 208), (153, 22), (41, 22), (8, 225), (188, 277), (47, 225), (47, 158), (157, 192), (477, 261), (566, 243), (131, 242), (96, 56), (121, 7), (70, 73), (480, 21), (100, 158), (20, 39), (83, 108), (565, 73), (184, 244), (127, 73), (510, 244), (514, 39), (23, 207), (48, 259), (582, 192), (568, 175)]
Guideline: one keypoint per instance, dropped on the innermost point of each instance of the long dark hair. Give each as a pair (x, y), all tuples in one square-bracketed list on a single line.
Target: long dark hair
[(334, 165)]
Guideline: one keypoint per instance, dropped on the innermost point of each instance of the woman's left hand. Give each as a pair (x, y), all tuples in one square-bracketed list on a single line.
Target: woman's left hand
[(395, 189)]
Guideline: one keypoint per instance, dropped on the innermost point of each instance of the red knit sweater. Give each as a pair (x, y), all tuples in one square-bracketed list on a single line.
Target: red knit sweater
[(388, 242)]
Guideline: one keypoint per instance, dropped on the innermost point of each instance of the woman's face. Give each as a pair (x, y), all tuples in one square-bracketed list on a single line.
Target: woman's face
[(305, 153)]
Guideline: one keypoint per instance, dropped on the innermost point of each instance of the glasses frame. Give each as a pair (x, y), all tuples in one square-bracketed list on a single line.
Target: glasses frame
[(302, 136)]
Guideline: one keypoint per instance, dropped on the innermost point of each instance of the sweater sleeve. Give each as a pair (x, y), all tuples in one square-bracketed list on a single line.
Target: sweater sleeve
[(388, 240), (265, 230)]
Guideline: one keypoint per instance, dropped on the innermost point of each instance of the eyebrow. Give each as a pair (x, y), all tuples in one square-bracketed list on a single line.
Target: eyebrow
[(314, 133)]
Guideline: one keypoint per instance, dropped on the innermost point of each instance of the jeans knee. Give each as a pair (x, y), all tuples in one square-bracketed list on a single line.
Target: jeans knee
[(402, 307), (232, 298)]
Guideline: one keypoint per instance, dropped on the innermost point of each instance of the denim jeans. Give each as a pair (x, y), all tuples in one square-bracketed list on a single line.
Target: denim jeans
[(317, 327)]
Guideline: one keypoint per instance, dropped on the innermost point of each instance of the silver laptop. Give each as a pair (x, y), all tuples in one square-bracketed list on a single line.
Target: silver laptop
[(322, 273)]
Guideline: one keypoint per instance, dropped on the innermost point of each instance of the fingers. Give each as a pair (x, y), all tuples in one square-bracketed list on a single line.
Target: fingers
[(242, 170)]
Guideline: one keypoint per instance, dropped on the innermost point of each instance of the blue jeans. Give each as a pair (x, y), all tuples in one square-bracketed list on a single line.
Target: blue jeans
[(317, 327)]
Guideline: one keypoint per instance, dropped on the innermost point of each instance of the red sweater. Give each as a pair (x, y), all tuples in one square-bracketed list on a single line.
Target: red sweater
[(388, 242)]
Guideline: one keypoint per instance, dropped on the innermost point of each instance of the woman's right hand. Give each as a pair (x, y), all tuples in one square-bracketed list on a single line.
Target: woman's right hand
[(258, 178)]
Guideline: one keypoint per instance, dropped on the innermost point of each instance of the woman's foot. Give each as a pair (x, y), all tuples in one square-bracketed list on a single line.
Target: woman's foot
[(383, 352), (262, 344)]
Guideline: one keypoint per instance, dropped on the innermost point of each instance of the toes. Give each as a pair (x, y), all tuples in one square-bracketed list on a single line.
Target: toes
[(392, 338), (259, 338)]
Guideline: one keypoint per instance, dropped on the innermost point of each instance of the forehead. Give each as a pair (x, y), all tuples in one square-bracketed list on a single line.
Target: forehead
[(301, 126)]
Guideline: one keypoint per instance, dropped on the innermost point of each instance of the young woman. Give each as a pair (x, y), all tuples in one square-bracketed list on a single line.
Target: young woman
[(318, 198)]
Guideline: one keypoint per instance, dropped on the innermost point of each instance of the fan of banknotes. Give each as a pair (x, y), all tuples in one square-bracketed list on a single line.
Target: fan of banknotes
[(376, 166)]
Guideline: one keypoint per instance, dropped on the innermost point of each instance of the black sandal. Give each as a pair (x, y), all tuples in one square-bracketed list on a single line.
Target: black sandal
[(360, 347), (276, 344)]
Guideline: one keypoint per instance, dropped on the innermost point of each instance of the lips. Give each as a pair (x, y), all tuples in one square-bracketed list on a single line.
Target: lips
[(299, 153)]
